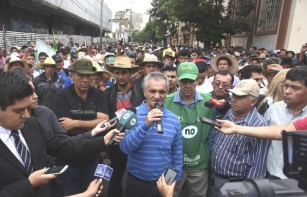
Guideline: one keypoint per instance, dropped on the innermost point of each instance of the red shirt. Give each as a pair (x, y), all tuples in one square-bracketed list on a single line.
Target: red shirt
[(301, 124)]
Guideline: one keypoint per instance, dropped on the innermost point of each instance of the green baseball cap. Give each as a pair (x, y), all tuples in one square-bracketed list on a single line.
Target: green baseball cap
[(187, 70), (82, 66)]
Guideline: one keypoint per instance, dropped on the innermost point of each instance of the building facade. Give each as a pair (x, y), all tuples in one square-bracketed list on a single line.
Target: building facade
[(280, 24), (124, 23), (69, 18)]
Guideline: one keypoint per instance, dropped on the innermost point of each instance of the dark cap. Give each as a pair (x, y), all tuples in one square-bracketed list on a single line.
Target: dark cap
[(82, 66), (57, 58), (73, 55)]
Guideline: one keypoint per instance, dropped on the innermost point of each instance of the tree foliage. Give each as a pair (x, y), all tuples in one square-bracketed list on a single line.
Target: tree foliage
[(212, 19), (152, 33)]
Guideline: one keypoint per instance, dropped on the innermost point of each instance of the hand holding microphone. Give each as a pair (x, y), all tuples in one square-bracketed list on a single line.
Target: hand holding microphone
[(153, 116), (158, 122), (215, 103), (102, 127), (126, 121), (103, 171), (118, 114)]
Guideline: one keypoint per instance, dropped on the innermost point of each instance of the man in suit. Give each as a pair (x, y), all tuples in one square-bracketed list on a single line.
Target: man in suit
[(24, 143)]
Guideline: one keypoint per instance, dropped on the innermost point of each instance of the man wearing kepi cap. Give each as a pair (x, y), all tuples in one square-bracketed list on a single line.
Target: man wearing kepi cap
[(237, 157), (188, 105), (79, 107)]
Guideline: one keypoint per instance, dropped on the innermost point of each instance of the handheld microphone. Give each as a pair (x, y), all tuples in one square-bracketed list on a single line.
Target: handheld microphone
[(104, 170), (158, 123), (215, 103), (126, 121), (118, 114)]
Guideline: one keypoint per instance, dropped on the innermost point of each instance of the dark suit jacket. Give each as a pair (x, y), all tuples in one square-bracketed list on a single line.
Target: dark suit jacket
[(13, 176)]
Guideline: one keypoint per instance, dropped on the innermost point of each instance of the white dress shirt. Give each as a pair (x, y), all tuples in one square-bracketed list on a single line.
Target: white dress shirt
[(8, 140)]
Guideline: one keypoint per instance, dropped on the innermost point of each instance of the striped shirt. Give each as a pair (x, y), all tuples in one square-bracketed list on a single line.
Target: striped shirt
[(151, 153), (239, 155)]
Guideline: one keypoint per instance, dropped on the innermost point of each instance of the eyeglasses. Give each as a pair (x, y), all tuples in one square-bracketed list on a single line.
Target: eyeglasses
[(218, 84)]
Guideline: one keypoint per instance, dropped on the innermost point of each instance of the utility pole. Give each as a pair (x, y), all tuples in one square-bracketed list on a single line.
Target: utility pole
[(101, 19), (4, 35)]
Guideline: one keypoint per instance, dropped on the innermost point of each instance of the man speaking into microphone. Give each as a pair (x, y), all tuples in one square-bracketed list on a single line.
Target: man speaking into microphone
[(151, 153)]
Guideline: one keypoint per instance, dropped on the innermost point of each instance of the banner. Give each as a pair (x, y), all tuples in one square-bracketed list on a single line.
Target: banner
[(43, 47)]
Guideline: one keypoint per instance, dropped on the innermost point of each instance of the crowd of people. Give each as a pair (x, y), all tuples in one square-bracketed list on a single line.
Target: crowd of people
[(54, 110)]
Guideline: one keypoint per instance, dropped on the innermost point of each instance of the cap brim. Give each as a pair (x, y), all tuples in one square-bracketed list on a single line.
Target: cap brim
[(111, 68), (42, 65), (238, 92), (160, 64), (188, 76), (17, 61), (272, 70), (85, 72)]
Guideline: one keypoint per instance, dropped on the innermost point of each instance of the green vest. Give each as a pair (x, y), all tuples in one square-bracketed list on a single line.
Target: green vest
[(195, 134)]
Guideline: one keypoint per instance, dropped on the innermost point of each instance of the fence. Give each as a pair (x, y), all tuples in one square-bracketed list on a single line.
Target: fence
[(22, 38)]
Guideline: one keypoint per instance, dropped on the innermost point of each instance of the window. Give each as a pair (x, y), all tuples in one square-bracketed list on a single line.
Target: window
[(269, 15)]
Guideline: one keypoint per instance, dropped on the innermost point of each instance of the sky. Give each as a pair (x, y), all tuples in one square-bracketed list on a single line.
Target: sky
[(138, 6)]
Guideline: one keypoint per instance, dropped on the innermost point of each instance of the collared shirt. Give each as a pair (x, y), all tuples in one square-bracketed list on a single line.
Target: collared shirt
[(206, 87), (239, 155), (151, 153), (195, 134), (67, 103), (236, 80), (178, 99), (279, 114), (8, 140)]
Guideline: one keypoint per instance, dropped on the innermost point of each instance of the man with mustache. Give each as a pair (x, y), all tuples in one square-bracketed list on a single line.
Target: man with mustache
[(292, 108), (151, 153), (123, 94), (238, 157), (79, 108)]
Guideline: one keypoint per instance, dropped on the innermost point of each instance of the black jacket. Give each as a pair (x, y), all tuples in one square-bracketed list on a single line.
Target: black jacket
[(46, 89), (111, 93), (14, 180)]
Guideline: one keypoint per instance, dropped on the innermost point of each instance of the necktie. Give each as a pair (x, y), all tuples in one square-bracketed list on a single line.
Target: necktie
[(23, 151)]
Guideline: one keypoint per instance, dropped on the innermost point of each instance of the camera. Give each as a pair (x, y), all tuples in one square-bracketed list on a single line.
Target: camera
[(295, 167)]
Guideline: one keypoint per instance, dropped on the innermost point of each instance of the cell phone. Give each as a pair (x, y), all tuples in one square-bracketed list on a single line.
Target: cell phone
[(210, 122), (56, 170), (170, 175)]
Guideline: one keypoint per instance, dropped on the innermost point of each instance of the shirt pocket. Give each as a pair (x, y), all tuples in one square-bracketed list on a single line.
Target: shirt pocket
[(240, 147)]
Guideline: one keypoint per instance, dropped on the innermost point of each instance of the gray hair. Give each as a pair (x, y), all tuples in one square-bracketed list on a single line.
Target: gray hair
[(155, 76)]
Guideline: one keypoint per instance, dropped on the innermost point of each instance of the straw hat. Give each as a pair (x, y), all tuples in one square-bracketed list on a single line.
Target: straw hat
[(105, 73), (150, 59), (169, 53), (273, 68), (48, 61), (15, 59), (87, 51), (234, 63), (123, 62)]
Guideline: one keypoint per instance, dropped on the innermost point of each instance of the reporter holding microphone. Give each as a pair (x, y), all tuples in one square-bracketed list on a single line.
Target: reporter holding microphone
[(151, 153), (19, 175)]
